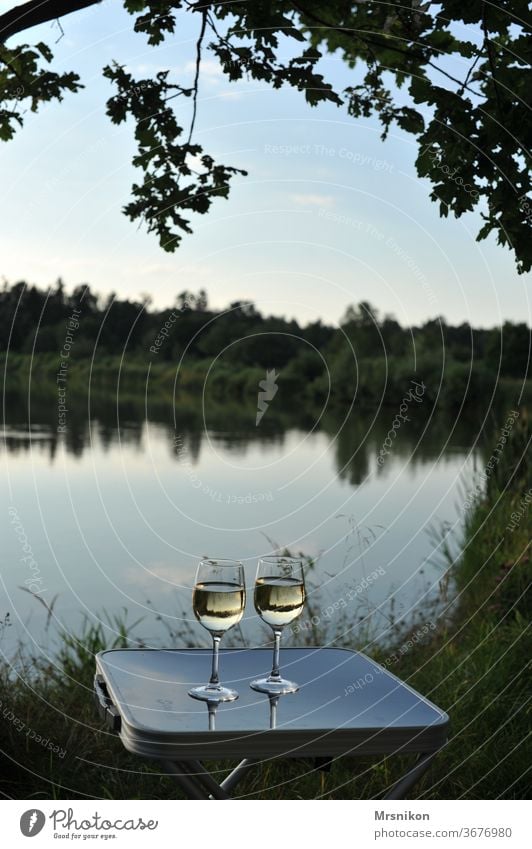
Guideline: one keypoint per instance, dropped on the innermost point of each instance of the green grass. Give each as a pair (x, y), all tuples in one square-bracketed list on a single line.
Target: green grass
[(474, 664), (127, 376)]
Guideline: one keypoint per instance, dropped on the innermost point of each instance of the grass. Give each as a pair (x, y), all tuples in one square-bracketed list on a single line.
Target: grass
[(127, 376), (473, 665)]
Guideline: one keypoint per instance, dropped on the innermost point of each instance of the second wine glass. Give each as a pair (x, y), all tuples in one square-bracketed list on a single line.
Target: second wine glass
[(279, 599)]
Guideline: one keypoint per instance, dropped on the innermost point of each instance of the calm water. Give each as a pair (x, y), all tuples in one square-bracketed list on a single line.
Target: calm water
[(116, 513)]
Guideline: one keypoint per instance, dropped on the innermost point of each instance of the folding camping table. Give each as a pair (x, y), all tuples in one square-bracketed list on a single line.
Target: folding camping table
[(346, 705)]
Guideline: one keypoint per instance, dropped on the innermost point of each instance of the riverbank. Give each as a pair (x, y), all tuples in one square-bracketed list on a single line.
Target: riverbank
[(449, 384), (470, 657), (476, 665)]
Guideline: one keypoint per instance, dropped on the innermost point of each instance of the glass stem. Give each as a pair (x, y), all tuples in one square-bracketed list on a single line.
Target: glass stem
[(215, 681), (211, 707), (275, 673)]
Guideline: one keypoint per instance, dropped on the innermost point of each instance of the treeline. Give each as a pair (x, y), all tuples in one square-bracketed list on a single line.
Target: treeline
[(366, 353), (34, 320)]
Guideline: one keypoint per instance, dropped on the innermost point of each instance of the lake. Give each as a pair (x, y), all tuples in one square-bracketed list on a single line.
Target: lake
[(115, 513)]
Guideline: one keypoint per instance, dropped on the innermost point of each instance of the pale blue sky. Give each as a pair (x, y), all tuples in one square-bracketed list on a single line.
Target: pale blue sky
[(332, 217)]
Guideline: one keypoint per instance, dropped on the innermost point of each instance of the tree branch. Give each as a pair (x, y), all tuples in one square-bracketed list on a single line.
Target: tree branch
[(489, 49), (369, 40), (37, 12), (204, 13)]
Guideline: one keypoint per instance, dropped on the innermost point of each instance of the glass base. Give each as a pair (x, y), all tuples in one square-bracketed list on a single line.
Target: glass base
[(209, 693), (274, 686)]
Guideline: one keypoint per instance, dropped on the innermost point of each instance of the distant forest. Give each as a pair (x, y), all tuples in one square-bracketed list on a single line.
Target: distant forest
[(366, 351)]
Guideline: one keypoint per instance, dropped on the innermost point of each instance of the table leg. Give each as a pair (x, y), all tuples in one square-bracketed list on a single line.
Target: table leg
[(214, 790), (198, 783), (237, 774), (193, 788), (401, 787)]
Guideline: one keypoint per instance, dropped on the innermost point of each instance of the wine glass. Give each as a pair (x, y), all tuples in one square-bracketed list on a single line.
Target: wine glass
[(218, 600), (279, 599)]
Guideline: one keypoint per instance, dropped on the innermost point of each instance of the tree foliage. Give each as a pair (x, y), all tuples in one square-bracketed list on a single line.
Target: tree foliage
[(34, 320), (472, 127)]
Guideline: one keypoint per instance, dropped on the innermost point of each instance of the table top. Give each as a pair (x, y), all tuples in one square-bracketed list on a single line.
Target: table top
[(346, 704)]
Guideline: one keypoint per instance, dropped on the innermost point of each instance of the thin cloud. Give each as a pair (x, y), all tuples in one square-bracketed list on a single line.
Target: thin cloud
[(209, 68), (310, 199)]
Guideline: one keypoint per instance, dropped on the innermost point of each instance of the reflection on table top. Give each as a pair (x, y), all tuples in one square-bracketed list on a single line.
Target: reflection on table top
[(345, 702)]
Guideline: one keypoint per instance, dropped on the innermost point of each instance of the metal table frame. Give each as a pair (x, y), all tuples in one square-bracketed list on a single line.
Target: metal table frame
[(197, 782)]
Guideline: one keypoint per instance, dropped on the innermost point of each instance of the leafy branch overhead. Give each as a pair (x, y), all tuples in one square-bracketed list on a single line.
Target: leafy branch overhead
[(22, 80), (472, 127), (178, 176)]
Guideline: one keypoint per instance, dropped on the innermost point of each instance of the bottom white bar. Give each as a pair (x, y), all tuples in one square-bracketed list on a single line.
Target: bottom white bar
[(263, 824)]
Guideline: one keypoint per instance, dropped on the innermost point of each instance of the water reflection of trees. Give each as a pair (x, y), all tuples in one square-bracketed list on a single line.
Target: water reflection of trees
[(426, 437), (106, 422)]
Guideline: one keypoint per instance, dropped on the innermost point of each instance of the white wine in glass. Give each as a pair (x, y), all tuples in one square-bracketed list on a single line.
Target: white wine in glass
[(279, 599), (218, 601)]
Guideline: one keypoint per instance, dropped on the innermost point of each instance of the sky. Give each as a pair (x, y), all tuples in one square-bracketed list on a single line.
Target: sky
[(329, 215)]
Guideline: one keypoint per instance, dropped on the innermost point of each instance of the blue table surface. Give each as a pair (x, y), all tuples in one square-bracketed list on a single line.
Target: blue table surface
[(339, 689)]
